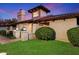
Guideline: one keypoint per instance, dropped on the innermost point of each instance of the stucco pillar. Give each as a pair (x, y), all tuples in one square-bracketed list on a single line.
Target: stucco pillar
[(16, 34), (24, 35)]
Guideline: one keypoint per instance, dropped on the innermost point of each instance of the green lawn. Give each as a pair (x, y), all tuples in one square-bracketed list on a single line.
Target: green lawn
[(39, 47)]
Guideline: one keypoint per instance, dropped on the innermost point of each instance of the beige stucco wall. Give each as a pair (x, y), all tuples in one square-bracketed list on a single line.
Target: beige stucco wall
[(28, 26), (61, 27), (42, 13), (36, 26)]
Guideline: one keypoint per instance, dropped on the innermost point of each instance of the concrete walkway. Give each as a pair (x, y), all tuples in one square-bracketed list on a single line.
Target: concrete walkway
[(4, 40)]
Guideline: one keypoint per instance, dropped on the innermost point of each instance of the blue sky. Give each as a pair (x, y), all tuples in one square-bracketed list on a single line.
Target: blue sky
[(9, 10)]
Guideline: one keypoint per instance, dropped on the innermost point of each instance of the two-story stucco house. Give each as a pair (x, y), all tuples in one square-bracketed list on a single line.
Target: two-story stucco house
[(60, 23)]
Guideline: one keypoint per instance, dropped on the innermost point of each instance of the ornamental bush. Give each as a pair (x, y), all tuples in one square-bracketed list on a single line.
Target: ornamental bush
[(45, 33), (73, 36), (3, 32), (10, 35), (7, 34)]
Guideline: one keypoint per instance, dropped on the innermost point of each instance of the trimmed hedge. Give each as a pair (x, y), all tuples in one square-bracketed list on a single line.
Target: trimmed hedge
[(73, 36), (45, 33)]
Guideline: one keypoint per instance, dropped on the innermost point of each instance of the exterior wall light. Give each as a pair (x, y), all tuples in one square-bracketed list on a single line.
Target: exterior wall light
[(17, 29)]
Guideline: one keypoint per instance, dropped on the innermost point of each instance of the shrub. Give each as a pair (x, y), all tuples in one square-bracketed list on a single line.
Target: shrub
[(3, 32), (10, 35), (45, 33), (73, 36)]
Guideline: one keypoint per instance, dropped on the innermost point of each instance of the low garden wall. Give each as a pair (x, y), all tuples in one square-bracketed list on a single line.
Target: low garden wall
[(23, 35)]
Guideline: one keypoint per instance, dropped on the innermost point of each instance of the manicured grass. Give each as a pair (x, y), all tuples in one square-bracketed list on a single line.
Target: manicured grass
[(39, 47)]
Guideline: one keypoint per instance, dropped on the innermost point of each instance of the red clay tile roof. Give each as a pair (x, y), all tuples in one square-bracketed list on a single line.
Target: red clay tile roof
[(50, 18), (58, 17)]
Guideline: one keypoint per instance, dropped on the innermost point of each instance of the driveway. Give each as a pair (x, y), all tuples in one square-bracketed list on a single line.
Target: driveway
[(4, 40)]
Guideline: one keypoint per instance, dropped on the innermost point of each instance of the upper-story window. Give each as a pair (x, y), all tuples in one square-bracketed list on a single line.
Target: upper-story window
[(36, 14)]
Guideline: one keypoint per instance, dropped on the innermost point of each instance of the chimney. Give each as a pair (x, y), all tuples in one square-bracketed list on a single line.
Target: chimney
[(21, 15)]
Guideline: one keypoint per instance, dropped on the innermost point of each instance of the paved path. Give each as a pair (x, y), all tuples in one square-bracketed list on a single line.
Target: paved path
[(4, 40)]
